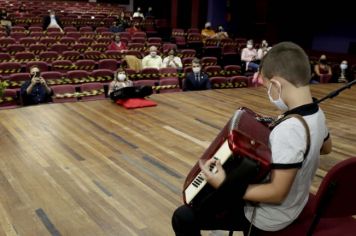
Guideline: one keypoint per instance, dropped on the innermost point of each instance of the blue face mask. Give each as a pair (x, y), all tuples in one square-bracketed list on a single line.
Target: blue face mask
[(279, 103)]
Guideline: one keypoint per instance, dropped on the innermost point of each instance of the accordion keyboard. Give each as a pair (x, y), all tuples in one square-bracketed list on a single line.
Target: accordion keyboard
[(199, 181)]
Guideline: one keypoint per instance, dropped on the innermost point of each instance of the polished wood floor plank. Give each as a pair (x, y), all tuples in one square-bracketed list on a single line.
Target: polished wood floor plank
[(94, 168)]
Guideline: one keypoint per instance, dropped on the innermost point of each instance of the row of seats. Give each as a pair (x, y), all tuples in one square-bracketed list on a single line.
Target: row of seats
[(68, 42), (95, 90), (60, 65), (146, 73), (61, 93)]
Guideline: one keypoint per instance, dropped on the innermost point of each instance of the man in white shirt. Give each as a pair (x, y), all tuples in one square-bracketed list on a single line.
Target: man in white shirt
[(52, 21), (138, 13), (152, 60)]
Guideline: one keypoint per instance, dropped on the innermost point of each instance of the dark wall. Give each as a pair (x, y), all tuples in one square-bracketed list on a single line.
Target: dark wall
[(217, 13), (123, 2), (161, 9), (243, 18), (335, 27), (184, 14)]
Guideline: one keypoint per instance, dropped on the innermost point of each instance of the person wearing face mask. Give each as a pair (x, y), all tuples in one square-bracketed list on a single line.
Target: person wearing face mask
[(152, 60), (120, 81), (138, 13), (262, 51), (221, 34), (249, 57), (123, 88), (197, 80), (285, 70), (35, 90), (117, 44), (172, 60), (321, 68), (52, 21), (150, 12), (343, 73), (208, 32)]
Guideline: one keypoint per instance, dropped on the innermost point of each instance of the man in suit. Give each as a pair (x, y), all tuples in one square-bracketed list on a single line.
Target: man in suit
[(197, 80), (52, 21)]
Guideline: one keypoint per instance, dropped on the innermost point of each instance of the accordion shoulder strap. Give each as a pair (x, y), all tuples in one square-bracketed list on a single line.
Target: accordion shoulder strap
[(306, 127)]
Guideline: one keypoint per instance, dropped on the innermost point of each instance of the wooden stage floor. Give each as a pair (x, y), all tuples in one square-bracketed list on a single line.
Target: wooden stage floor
[(94, 168)]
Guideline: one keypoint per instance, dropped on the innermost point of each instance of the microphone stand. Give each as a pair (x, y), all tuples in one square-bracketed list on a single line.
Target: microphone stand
[(336, 92)]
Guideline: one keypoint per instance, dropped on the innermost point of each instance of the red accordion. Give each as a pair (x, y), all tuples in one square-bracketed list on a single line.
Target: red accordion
[(242, 148)]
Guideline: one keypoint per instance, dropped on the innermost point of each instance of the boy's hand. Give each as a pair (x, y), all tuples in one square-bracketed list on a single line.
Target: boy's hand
[(214, 179)]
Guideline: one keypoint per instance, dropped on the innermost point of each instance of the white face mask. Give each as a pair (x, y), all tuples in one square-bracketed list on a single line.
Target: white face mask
[(279, 103), (343, 66), (196, 69), (249, 46), (121, 77), (153, 54)]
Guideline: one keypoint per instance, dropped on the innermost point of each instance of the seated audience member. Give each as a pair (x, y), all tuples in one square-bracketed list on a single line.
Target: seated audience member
[(172, 60), (152, 60), (249, 56), (21, 11), (197, 80), (5, 20), (120, 81), (135, 28), (115, 28), (221, 34), (138, 13), (52, 21), (208, 32), (262, 51), (122, 88), (321, 68), (343, 73), (122, 22), (35, 90), (116, 44), (149, 12)]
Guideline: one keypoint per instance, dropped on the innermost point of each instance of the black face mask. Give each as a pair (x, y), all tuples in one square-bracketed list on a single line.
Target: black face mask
[(323, 61)]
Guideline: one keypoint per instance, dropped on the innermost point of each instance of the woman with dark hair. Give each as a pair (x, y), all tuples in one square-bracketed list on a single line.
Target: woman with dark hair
[(117, 44), (172, 60), (321, 68)]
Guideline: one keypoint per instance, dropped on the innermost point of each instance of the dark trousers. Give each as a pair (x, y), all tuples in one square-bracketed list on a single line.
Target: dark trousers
[(219, 209), (187, 221)]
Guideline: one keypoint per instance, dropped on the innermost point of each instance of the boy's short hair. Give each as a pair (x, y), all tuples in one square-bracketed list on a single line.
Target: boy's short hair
[(288, 61)]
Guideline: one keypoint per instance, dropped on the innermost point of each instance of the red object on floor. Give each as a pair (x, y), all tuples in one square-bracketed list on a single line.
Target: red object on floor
[(132, 103)]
